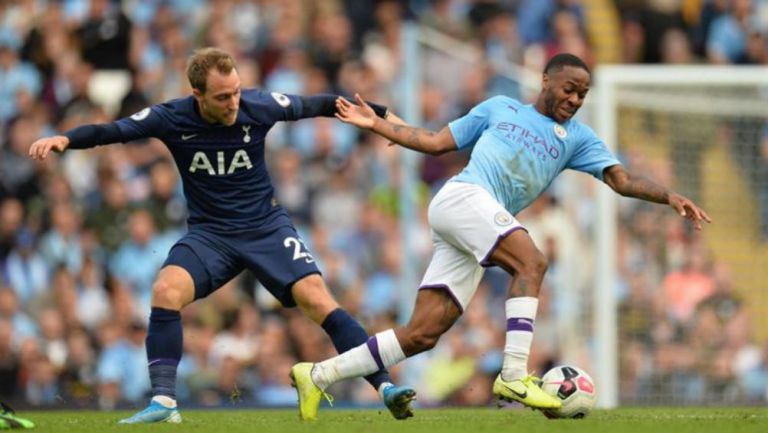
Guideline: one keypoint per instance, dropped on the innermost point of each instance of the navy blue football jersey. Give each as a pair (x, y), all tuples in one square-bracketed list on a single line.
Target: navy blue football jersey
[(223, 170)]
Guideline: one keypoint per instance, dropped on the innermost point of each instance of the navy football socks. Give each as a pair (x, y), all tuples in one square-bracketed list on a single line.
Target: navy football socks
[(164, 348), (346, 333)]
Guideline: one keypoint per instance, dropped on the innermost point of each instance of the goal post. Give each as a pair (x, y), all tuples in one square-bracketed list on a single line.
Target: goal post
[(690, 123)]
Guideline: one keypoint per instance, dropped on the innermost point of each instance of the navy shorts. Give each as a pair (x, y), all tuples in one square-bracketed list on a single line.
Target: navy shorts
[(278, 258)]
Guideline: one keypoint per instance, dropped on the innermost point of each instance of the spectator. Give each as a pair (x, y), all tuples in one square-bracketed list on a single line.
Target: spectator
[(61, 244), (727, 41), (27, 270), (105, 36), (18, 175), (11, 221), (42, 385), (92, 301), (22, 327), (676, 48), (238, 340), (121, 365), (15, 75), (52, 337), (111, 215), (165, 201), (685, 288), (78, 375), (9, 361), (139, 258)]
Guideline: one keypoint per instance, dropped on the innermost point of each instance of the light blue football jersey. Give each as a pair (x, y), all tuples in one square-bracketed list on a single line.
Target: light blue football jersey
[(519, 151)]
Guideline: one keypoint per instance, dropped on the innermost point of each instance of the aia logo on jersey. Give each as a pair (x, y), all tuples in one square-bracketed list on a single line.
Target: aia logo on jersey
[(240, 160)]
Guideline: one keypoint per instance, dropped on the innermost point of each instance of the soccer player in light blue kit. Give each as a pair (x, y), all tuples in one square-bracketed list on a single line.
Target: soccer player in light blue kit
[(517, 150)]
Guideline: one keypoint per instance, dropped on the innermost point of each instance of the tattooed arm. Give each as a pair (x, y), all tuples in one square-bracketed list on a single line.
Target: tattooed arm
[(630, 185), (419, 139)]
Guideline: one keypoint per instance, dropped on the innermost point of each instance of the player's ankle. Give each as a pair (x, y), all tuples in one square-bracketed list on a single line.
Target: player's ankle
[(510, 373), (165, 400), (384, 386), (319, 378)]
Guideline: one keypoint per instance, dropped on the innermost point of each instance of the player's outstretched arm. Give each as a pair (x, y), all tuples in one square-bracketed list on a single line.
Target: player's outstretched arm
[(394, 118), (40, 148), (87, 136), (630, 185), (319, 106), (394, 128)]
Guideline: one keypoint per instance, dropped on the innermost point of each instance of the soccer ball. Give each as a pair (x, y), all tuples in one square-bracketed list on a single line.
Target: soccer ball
[(572, 386)]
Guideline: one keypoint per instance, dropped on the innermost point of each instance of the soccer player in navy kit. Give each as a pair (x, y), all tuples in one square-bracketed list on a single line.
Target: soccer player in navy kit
[(216, 137)]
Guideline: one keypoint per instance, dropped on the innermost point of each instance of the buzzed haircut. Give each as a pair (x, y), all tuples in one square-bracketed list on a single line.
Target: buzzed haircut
[(559, 61), (205, 59)]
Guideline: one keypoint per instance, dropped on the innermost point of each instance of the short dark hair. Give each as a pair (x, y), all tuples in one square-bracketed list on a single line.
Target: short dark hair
[(559, 61), (205, 59)]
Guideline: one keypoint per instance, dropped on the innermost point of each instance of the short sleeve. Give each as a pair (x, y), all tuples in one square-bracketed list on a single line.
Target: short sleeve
[(468, 129), (592, 155)]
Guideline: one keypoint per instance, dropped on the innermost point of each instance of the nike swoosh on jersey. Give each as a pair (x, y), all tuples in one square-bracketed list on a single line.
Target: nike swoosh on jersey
[(186, 137)]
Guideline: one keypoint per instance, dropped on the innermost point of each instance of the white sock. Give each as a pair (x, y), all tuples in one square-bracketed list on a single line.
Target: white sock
[(521, 314), (165, 401), (381, 350)]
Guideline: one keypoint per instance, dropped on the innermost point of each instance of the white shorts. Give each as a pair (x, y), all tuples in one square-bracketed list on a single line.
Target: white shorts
[(467, 224)]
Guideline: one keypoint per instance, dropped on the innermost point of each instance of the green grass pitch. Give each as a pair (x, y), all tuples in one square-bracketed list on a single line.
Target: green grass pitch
[(641, 420)]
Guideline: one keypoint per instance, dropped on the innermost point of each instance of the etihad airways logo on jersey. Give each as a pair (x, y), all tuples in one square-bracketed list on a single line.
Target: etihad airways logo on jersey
[(240, 159), (525, 137)]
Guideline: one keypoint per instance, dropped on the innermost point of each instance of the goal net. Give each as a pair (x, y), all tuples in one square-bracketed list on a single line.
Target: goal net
[(681, 317)]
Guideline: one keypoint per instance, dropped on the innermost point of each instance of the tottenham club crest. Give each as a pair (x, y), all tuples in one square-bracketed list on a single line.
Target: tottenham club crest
[(247, 136), (502, 219), (560, 131)]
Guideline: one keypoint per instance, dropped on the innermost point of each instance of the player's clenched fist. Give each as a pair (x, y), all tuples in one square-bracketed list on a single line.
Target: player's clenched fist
[(40, 148)]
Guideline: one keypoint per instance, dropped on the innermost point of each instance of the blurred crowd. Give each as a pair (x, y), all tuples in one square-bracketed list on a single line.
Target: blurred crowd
[(83, 234), (686, 334)]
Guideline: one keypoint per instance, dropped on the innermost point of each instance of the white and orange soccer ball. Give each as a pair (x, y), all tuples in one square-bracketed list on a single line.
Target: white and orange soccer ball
[(574, 387)]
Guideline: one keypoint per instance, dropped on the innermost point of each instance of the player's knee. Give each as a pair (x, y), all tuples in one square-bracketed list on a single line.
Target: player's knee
[(165, 295), (313, 297)]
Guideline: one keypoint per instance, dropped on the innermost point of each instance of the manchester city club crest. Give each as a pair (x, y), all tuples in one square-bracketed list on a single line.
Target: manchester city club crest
[(560, 131), (502, 219)]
